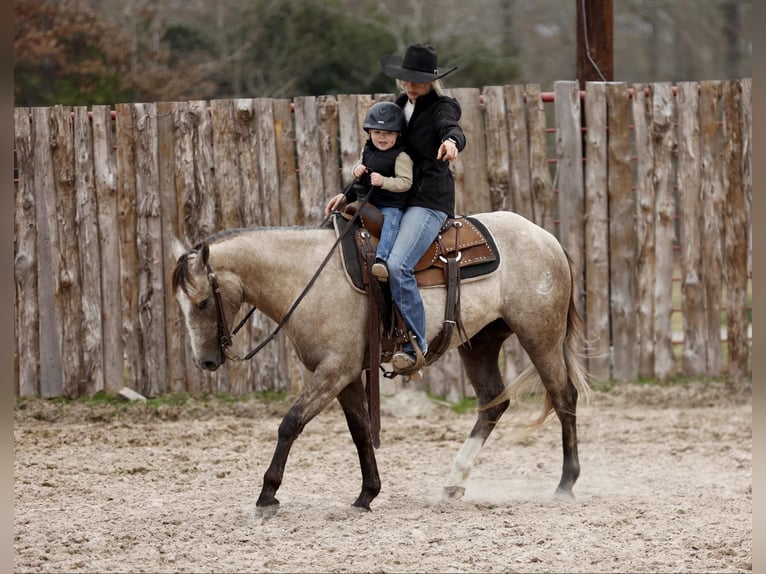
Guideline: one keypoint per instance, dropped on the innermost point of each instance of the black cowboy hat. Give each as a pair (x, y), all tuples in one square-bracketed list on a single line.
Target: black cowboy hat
[(418, 65)]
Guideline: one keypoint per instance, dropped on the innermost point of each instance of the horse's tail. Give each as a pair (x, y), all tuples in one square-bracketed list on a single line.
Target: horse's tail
[(529, 382)]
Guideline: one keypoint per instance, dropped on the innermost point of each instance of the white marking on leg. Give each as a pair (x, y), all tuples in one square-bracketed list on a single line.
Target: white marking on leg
[(461, 467)]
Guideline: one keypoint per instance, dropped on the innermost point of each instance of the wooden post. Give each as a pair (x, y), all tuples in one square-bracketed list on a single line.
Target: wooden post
[(595, 50)]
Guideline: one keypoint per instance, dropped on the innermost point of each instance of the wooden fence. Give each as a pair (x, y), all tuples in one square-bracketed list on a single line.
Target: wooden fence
[(656, 220)]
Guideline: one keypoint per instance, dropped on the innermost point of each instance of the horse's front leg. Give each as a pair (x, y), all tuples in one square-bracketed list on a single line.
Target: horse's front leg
[(354, 402), (291, 426), (320, 390)]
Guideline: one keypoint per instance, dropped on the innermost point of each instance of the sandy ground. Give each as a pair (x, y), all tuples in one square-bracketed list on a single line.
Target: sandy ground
[(666, 486)]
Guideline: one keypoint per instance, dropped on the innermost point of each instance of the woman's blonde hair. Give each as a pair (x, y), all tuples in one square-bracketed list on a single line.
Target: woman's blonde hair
[(436, 85)]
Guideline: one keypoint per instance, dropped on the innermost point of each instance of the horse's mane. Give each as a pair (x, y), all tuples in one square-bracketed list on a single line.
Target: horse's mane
[(229, 233), (181, 277)]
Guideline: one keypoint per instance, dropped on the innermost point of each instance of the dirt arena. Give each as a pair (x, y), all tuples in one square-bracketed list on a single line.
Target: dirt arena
[(666, 486)]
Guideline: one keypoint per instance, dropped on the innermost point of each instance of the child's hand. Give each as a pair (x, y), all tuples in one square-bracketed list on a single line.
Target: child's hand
[(359, 171), (376, 179)]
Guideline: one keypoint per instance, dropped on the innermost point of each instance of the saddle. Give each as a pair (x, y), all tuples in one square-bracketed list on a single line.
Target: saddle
[(464, 238)]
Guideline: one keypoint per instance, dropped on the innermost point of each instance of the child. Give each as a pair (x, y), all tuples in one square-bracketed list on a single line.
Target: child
[(386, 170)]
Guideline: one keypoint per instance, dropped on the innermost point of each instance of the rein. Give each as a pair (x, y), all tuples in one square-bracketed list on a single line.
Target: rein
[(225, 337)]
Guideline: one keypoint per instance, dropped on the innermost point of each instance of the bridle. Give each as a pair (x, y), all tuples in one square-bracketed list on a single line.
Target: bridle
[(223, 333), (224, 337)]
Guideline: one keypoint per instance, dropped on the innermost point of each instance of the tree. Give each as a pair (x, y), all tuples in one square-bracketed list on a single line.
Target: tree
[(64, 54)]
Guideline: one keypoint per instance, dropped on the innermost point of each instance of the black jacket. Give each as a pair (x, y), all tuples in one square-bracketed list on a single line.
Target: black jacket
[(435, 119)]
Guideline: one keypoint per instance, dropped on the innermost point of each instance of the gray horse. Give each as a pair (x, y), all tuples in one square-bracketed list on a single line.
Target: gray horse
[(529, 294)]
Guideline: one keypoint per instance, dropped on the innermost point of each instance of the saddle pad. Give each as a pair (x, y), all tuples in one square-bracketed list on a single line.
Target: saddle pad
[(477, 257)]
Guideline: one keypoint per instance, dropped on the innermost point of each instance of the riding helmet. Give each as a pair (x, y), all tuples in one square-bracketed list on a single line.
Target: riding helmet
[(385, 116)]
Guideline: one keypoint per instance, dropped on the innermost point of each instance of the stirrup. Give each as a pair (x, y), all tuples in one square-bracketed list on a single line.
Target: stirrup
[(419, 361)]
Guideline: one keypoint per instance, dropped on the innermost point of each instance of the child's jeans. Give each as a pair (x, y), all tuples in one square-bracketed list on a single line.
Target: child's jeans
[(392, 217)]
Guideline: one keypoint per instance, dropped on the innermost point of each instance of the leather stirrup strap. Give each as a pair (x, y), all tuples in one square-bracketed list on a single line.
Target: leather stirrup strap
[(373, 372), (442, 340)]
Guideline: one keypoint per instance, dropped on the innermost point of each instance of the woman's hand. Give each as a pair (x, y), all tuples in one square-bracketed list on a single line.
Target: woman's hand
[(336, 203), (447, 151)]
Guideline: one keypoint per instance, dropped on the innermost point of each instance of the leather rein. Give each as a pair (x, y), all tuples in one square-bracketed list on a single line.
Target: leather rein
[(225, 336)]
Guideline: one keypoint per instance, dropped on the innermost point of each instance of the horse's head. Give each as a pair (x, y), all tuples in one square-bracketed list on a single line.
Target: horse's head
[(194, 278)]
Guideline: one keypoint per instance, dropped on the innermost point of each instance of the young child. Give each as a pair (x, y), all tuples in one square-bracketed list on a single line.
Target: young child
[(386, 170)]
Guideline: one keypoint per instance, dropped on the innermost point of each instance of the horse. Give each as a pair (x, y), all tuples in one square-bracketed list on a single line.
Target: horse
[(529, 294)]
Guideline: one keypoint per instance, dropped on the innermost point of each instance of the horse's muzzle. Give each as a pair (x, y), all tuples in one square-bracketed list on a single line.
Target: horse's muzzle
[(211, 363)]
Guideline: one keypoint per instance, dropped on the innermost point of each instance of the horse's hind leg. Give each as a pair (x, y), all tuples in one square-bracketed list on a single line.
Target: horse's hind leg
[(480, 359), (562, 395), (353, 400)]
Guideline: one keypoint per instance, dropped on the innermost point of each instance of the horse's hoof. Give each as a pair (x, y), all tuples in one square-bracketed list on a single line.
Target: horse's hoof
[(269, 511), (564, 494), (360, 509), (454, 492)]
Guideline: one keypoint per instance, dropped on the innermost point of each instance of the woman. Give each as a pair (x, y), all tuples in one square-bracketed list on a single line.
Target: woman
[(432, 138)]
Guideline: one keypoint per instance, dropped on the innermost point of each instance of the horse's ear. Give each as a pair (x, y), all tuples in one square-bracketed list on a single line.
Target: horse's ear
[(177, 248)]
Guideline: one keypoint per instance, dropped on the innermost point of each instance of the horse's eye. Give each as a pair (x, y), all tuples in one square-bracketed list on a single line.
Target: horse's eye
[(203, 304)]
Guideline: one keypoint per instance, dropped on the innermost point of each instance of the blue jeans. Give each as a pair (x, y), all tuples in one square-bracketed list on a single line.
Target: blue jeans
[(417, 230), (392, 216)]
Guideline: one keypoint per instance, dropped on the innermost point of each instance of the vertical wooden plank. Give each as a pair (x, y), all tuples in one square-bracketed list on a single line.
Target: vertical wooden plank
[(166, 160), (25, 265), (663, 115), (291, 213), (597, 232), (104, 165), (622, 237), (519, 164), (185, 185), (208, 201), (543, 198), (690, 208), (498, 153), (268, 162), (204, 176), (90, 255), (327, 110), (747, 185), (69, 280), (735, 233), (232, 377), (126, 206), (712, 202), (226, 164), (290, 210), (351, 114), (188, 211), (151, 297), (747, 173), (249, 148), (269, 370), (51, 373), (645, 221), (470, 168), (309, 151), (569, 176)]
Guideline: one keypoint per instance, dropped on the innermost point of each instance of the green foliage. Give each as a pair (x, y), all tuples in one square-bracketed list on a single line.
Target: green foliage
[(65, 54), (465, 405), (290, 58)]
